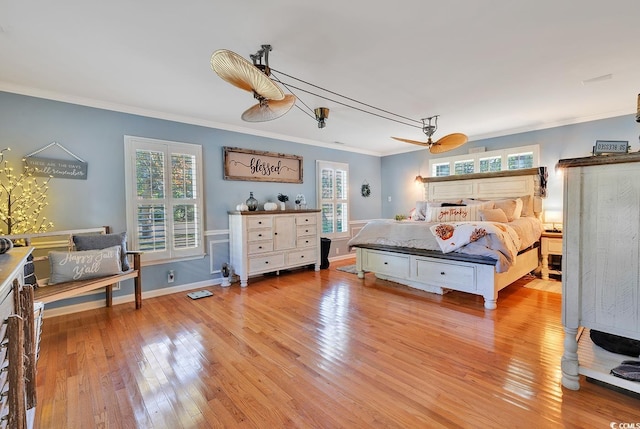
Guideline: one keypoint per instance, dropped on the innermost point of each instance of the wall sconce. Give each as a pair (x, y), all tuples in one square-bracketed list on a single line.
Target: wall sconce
[(322, 114), (553, 217), (418, 180)]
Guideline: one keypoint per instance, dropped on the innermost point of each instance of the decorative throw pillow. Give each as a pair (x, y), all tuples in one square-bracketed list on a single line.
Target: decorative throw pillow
[(85, 264), (5, 245), (30, 273), (102, 241), (493, 215), (510, 208)]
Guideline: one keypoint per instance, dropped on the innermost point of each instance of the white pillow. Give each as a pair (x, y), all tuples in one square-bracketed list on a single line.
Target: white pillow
[(511, 207)]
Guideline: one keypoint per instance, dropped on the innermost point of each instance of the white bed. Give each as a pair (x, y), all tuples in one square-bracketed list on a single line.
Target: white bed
[(427, 268)]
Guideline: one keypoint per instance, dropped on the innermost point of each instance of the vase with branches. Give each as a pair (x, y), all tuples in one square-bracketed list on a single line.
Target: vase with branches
[(23, 199), (283, 199)]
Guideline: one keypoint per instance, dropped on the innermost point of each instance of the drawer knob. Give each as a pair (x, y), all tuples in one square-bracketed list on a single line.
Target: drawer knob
[(266, 262), (302, 257), (386, 263), (259, 235), (306, 230), (275, 233), (442, 273), (260, 223), (259, 247)]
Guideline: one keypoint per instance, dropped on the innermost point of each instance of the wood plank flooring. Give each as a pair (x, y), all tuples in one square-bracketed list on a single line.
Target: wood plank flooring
[(318, 350)]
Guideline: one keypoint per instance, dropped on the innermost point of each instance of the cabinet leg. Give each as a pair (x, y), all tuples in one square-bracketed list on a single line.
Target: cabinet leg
[(545, 267), (569, 363), (244, 281)]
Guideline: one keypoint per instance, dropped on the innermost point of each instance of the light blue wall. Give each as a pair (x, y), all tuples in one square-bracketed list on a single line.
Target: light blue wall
[(28, 124), (570, 141), (97, 136)]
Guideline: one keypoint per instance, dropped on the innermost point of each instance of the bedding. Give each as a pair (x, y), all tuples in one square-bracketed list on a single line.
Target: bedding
[(419, 235)]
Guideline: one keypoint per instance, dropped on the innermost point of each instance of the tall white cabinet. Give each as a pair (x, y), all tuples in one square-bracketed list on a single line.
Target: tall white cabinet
[(263, 241), (600, 263)]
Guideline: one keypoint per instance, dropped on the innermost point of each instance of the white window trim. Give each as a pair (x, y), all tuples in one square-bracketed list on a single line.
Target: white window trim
[(503, 153), (131, 144), (335, 166)]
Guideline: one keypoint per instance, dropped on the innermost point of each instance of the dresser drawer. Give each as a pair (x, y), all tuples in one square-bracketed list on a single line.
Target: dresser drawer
[(305, 230), (254, 222), (397, 265), (302, 257), (260, 235), (305, 219), (266, 263), (446, 275), (260, 247), (307, 241)]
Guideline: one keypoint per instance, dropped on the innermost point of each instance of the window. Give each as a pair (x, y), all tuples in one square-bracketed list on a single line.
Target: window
[(441, 169), (333, 195), (463, 167), (518, 161), (483, 162), (493, 163), (164, 198)]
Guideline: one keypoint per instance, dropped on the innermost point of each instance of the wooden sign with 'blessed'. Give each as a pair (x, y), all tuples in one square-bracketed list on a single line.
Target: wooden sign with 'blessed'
[(245, 164)]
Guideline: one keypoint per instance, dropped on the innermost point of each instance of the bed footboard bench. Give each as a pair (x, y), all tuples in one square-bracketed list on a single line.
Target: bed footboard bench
[(436, 272)]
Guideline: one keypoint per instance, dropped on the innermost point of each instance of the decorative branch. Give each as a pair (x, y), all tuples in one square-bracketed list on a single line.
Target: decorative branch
[(22, 200)]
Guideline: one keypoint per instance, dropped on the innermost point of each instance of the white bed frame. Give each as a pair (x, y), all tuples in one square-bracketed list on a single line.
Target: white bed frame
[(437, 272)]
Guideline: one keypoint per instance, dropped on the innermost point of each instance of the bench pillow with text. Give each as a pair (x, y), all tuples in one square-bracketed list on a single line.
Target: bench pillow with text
[(83, 265)]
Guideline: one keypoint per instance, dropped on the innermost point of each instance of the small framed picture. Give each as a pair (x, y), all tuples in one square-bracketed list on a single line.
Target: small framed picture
[(610, 146)]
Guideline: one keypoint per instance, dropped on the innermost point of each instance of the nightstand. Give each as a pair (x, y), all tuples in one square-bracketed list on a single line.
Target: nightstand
[(550, 244)]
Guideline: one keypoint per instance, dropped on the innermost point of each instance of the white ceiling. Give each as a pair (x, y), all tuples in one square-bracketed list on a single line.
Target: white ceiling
[(488, 68)]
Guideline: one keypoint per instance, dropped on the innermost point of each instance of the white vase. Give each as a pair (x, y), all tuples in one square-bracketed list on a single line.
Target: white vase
[(283, 206), (270, 206)]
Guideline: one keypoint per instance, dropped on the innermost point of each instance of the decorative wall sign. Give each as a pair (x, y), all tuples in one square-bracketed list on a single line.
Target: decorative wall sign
[(260, 166), (48, 167), (610, 146)]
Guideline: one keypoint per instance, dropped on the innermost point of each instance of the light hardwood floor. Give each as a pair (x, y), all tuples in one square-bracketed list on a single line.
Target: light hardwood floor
[(318, 350)]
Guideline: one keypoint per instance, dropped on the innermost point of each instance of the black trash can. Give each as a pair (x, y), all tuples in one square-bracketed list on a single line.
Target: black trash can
[(325, 246)]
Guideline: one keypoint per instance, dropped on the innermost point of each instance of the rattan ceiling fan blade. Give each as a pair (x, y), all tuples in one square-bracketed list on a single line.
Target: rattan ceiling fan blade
[(269, 111), (419, 143), (448, 142), (239, 72)]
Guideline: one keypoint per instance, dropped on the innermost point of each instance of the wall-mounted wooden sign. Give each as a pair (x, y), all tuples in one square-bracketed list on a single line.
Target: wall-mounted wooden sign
[(245, 164)]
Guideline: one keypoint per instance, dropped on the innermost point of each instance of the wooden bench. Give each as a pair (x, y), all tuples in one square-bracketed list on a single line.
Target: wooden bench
[(59, 291)]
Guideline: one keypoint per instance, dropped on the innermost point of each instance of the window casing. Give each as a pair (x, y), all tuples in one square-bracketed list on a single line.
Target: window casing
[(483, 162), (333, 198), (164, 200)]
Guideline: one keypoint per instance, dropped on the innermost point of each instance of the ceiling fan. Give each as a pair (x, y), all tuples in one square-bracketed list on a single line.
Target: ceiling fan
[(272, 101), (444, 144)]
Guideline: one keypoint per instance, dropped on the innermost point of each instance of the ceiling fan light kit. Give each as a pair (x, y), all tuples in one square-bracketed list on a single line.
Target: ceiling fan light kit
[(273, 102), (322, 114)]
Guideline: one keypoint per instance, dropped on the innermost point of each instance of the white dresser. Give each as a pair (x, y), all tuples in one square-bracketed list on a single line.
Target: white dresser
[(262, 241), (600, 263)]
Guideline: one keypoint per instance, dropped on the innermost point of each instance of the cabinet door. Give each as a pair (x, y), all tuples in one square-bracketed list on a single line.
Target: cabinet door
[(284, 232)]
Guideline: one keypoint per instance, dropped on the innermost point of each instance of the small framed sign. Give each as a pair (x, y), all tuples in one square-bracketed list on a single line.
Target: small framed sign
[(260, 166), (610, 146)]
